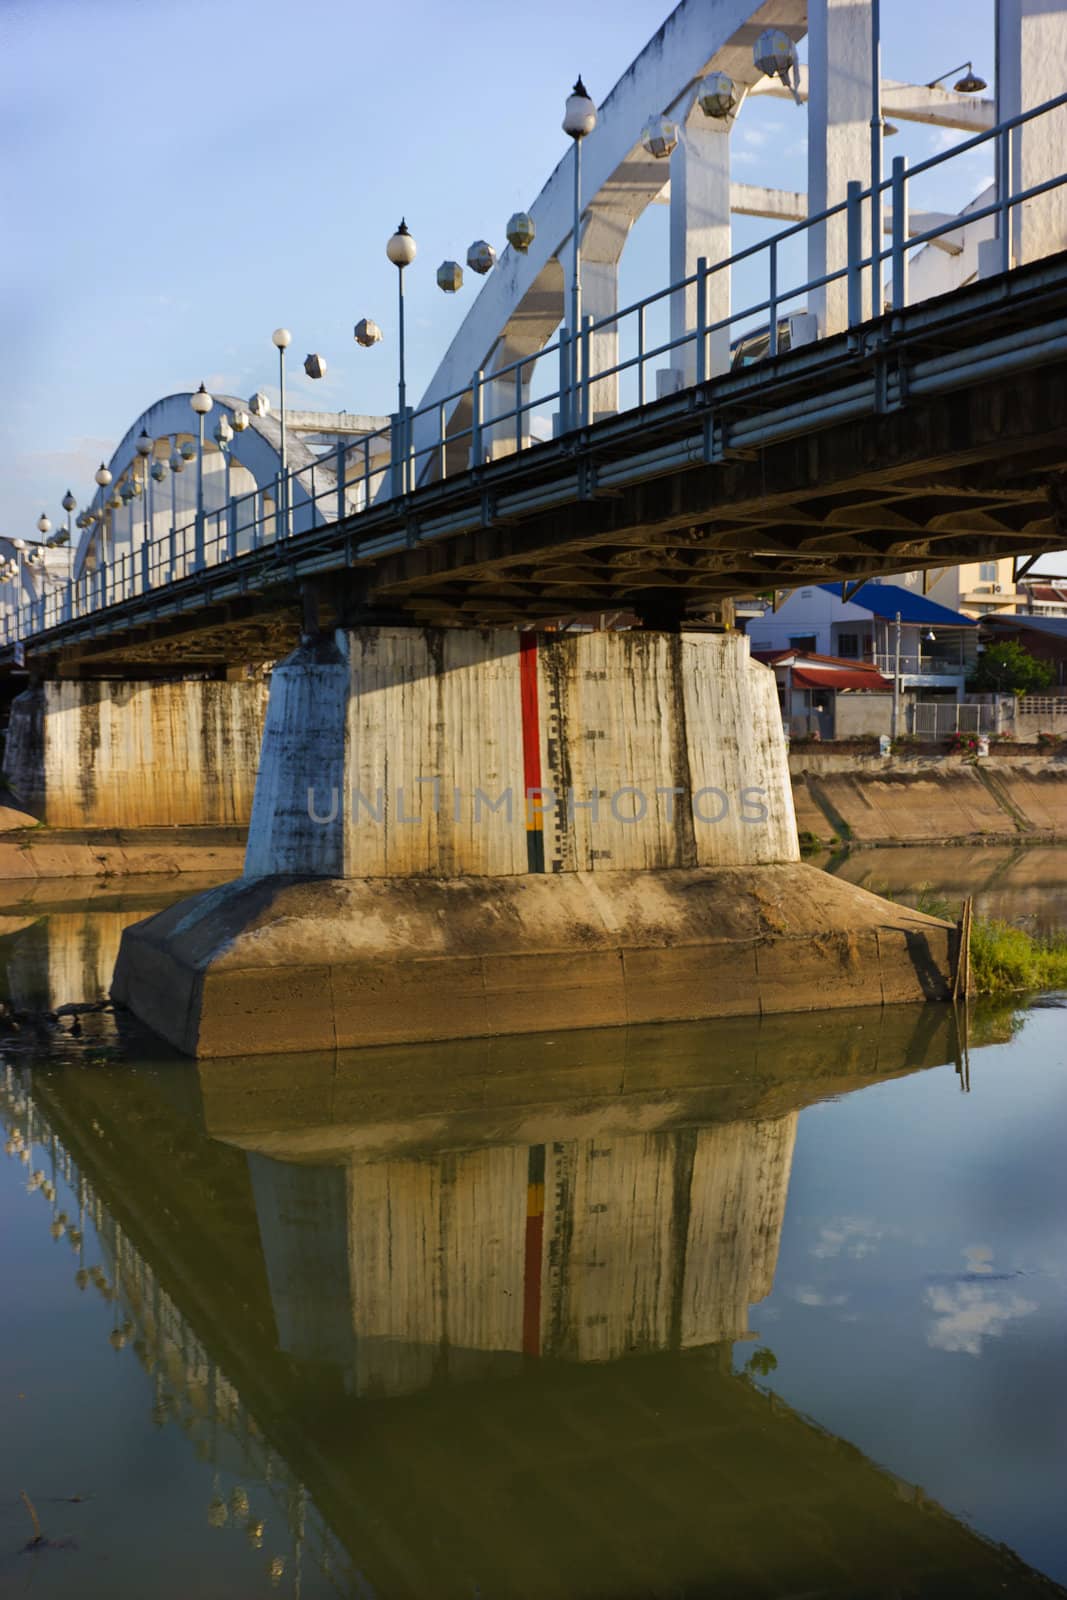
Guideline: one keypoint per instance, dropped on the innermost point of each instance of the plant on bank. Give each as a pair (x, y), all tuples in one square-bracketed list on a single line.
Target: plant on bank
[(1008, 960), (1049, 741)]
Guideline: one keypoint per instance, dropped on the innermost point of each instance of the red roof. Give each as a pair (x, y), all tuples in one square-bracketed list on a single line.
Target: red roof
[(821, 678)]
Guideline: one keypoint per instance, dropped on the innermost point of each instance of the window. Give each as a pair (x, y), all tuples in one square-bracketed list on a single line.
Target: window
[(802, 641), (848, 644), (987, 572)]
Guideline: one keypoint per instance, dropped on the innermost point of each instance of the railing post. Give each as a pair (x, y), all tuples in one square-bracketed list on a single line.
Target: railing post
[(231, 527), (396, 454), (442, 455), (279, 507), (702, 320), (584, 384), (518, 407), (772, 298), (409, 450), (145, 578), (854, 246), (340, 469), (564, 381), (477, 403), (1004, 197), (900, 232)]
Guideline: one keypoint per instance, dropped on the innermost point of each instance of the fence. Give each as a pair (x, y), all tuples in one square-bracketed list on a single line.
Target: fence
[(494, 412), (933, 719)]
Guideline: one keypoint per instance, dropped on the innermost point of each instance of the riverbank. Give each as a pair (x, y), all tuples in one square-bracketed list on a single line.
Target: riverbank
[(852, 797), (846, 797), (28, 854)]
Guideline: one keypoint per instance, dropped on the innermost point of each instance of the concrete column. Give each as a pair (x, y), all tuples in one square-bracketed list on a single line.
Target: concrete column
[(605, 233), (700, 226), (460, 833), (136, 755), (839, 142), (1030, 70)]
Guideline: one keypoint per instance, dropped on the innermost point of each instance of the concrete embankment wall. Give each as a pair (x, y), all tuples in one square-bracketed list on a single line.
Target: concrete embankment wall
[(136, 755), (928, 800)]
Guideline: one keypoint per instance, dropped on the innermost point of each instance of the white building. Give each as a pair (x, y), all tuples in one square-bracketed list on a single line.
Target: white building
[(937, 650)]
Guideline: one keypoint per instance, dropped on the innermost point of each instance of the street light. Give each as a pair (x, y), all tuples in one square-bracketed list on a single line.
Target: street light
[(970, 83), (579, 120), (145, 446), (44, 526), (103, 478), (68, 502), (201, 403), (281, 338), (401, 251)]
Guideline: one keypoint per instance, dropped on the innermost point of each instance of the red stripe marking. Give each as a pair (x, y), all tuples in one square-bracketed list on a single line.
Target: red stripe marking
[(531, 721), (531, 1287)]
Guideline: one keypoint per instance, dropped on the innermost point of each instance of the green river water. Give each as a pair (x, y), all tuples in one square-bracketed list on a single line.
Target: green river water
[(733, 1309)]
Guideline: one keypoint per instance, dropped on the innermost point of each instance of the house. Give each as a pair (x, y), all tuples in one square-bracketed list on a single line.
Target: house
[(1042, 595), (977, 588), (938, 647), (828, 696)]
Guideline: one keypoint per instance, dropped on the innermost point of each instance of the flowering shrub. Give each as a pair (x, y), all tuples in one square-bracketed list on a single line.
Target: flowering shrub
[(1050, 741), (963, 744)]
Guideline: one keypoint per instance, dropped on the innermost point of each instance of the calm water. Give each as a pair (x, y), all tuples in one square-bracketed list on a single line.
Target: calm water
[(734, 1309)]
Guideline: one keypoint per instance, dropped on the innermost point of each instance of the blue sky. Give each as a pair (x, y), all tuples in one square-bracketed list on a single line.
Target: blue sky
[(179, 181)]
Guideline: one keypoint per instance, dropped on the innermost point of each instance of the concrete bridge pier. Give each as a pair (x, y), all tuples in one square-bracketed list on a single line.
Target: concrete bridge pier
[(107, 753), (464, 833)]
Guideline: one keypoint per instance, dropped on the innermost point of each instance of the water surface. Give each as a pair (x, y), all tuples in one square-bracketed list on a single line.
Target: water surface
[(740, 1308)]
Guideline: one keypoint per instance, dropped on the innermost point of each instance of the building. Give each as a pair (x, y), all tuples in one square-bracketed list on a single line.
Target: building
[(977, 588), (938, 647), (829, 697), (1042, 595)]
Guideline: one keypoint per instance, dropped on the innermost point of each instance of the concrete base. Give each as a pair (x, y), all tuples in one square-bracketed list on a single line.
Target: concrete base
[(295, 964)]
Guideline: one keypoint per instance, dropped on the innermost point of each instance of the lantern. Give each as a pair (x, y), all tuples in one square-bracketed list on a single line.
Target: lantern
[(315, 366), (481, 257), (717, 95), (660, 137), (367, 333), (521, 231), (775, 54), (450, 276)]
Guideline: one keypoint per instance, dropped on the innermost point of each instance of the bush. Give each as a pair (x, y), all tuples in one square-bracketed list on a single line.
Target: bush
[(1006, 959), (1008, 668), (1050, 741)]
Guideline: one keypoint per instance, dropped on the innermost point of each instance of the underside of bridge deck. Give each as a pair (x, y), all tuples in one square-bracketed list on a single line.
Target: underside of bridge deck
[(926, 438)]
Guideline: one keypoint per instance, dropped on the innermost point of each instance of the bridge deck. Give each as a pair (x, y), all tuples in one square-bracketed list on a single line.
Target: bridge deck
[(930, 436)]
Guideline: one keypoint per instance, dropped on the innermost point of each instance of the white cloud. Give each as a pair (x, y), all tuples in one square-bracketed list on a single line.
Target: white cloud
[(967, 1313), (855, 1237), (806, 1296)]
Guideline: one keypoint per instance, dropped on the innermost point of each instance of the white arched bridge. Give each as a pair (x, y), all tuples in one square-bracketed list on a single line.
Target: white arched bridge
[(557, 464)]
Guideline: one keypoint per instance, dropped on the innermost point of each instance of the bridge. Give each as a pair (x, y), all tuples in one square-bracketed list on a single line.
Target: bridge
[(873, 389)]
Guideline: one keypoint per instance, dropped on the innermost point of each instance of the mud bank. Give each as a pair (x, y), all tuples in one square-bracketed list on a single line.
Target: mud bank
[(847, 798)]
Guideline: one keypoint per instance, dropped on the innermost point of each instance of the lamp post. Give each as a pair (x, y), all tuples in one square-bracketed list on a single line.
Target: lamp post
[(103, 478), (201, 403), (145, 446), (579, 120), (401, 251), (68, 504), (281, 338), (895, 725)]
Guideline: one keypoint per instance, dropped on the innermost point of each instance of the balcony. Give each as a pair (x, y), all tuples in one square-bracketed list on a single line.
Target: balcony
[(927, 667)]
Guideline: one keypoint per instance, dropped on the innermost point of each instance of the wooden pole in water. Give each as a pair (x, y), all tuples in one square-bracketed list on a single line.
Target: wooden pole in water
[(961, 982)]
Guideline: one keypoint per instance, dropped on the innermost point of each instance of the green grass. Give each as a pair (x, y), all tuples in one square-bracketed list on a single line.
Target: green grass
[(1005, 960), (1008, 960)]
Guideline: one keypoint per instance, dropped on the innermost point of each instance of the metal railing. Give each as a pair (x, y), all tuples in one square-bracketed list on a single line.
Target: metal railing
[(920, 665), (493, 414)]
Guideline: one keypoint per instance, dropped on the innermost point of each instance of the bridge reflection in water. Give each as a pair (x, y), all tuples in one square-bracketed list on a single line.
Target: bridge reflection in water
[(488, 1350)]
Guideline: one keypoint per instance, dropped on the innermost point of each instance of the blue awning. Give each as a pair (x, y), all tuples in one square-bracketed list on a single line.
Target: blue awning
[(886, 599)]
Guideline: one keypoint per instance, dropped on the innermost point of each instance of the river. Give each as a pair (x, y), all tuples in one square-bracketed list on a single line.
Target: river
[(746, 1308)]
